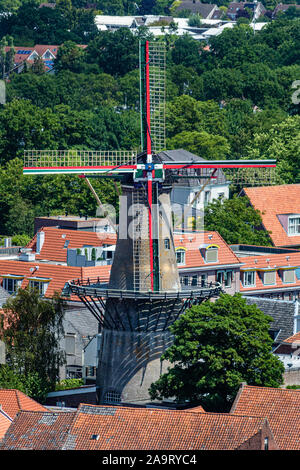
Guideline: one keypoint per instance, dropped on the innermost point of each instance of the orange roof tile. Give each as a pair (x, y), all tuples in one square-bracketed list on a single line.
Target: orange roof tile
[(5, 422), (53, 247), (279, 406), (13, 400), (274, 261), (293, 339), (272, 201), (125, 428), (192, 243), (48, 430), (57, 274)]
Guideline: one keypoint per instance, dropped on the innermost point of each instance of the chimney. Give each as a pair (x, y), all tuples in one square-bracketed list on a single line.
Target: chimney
[(40, 238)]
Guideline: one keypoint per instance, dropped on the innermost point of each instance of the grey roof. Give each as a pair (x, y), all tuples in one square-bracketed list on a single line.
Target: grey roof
[(181, 155), (282, 312), (204, 9), (4, 296)]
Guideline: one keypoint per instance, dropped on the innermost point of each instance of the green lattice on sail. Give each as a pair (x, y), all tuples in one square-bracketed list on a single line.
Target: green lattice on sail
[(78, 161)]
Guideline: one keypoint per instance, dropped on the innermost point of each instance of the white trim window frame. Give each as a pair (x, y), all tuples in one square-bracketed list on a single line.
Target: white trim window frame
[(40, 284), (12, 283), (249, 278), (285, 274), (180, 256), (268, 282), (294, 225)]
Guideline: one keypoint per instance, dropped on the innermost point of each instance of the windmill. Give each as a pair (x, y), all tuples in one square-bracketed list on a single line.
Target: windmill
[(144, 295)]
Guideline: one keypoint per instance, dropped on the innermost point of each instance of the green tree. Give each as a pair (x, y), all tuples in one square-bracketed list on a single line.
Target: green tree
[(31, 328), (217, 346), (207, 146), (281, 142), (31, 384), (119, 51), (184, 113), (69, 57), (236, 221)]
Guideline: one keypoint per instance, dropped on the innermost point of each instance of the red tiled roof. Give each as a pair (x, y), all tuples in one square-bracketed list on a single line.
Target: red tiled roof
[(192, 243), (293, 339), (280, 406), (5, 422), (48, 430), (57, 274), (276, 261), (272, 201), (12, 401), (122, 428), (55, 238)]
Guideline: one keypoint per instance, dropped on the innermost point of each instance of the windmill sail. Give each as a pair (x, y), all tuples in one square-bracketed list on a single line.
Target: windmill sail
[(78, 161), (157, 82)]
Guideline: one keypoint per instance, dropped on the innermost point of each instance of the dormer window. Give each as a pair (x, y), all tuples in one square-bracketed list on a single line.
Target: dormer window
[(270, 278), (180, 256), (294, 225), (39, 284), (249, 279), (12, 283), (288, 276), (211, 254)]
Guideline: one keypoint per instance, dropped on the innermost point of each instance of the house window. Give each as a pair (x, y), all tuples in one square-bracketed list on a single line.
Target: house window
[(12, 284), (211, 255), (70, 344), (206, 197), (180, 256), (194, 280), (90, 371), (167, 243), (225, 277), (289, 276), (112, 397), (203, 280), (269, 278), (294, 226), (184, 280), (40, 286), (249, 279)]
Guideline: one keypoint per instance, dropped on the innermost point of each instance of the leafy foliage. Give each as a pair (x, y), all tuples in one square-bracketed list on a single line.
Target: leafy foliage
[(236, 221), (217, 346), (31, 329)]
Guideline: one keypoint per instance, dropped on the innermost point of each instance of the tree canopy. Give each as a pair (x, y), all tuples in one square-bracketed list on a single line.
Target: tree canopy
[(217, 346), (31, 328)]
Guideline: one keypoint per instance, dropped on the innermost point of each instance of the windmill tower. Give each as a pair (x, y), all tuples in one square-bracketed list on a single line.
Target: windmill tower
[(143, 296)]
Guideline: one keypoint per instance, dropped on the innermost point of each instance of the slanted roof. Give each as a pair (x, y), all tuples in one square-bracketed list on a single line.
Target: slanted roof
[(53, 248), (294, 339), (282, 312), (269, 262), (273, 201), (181, 155), (203, 9), (58, 275), (12, 401), (192, 242), (38, 430), (126, 428), (280, 406)]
